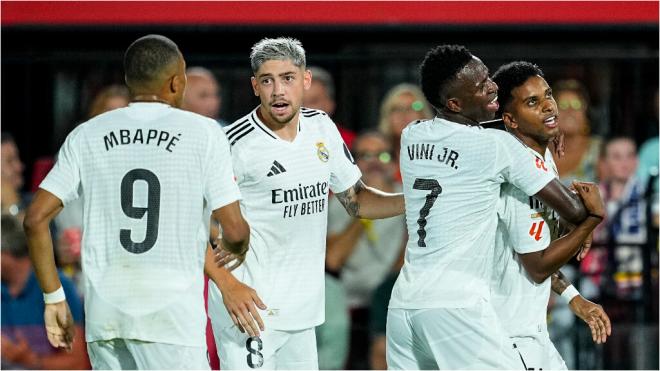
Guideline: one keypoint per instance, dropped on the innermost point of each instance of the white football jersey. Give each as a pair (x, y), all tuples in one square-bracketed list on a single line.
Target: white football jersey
[(285, 189), (525, 225), (146, 172), (452, 175)]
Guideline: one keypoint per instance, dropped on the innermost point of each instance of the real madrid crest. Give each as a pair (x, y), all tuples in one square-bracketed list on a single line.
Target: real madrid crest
[(322, 152)]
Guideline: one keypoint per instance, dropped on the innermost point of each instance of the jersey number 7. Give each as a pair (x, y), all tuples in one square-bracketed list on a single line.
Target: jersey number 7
[(435, 188)]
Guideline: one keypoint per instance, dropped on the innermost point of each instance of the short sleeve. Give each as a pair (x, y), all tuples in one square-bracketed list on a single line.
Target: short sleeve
[(220, 186), (517, 165), (344, 172), (63, 180), (526, 229)]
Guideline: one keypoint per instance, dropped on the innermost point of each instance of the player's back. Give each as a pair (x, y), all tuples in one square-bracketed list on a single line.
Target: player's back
[(451, 179), (143, 176)]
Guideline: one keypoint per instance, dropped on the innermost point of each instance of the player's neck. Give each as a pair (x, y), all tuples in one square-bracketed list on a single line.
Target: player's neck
[(149, 98), (537, 144), (457, 118), (286, 131)]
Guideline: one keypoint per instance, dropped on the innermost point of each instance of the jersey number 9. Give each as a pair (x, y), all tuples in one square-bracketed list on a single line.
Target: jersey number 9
[(152, 210)]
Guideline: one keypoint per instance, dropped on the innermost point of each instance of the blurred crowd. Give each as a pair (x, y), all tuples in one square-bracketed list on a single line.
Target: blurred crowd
[(364, 256)]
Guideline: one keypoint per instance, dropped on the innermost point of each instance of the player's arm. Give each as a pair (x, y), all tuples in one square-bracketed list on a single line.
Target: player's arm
[(566, 203), (235, 230), (591, 313), (240, 300), (541, 264), (362, 201), (57, 315)]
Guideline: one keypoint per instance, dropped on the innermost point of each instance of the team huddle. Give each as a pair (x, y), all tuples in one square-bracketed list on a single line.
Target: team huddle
[(489, 224)]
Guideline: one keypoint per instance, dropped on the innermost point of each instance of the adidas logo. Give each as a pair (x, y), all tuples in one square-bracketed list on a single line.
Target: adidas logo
[(276, 168)]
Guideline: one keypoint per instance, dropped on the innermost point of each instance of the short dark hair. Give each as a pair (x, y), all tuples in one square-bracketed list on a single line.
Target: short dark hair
[(440, 66), (511, 76), (13, 238), (147, 57)]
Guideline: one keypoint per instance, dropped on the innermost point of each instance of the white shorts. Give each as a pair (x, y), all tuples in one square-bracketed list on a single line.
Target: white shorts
[(539, 353), (448, 338), (273, 349), (126, 354)]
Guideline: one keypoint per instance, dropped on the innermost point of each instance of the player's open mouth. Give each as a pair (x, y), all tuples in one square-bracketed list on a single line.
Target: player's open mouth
[(551, 122), (493, 105), (280, 107)]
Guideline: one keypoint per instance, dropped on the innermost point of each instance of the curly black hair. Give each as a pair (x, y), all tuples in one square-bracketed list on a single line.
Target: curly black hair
[(511, 76), (439, 67)]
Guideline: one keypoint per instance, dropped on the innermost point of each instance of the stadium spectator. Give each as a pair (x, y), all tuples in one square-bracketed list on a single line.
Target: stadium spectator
[(321, 96), (625, 227), (24, 342), (580, 161), (14, 201), (203, 94), (109, 98), (362, 252), (402, 104)]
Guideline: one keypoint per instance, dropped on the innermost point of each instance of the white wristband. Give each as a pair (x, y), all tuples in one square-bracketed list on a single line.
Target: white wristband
[(569, 293), (55, 296)]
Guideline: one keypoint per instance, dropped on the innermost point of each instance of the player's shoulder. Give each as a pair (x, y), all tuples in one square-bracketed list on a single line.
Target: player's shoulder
[(498, 136), (417, 126), (315, 118), (242, 130), (318, 121), (205, 123), (308, 113)]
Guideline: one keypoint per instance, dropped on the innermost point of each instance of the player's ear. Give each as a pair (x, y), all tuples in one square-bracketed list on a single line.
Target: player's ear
[(509, 120), (454, 105), (307, 79), (177, 83), (253, 81)]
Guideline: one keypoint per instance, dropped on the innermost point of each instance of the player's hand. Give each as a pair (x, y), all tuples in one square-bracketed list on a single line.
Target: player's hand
[(240, 301), (595, 317), (590, 195), (586, 246), (223, 258), (558, 143), (60, 327)]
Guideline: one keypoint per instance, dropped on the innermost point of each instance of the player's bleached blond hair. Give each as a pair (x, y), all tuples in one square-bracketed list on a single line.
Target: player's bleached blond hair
[(281, 48)]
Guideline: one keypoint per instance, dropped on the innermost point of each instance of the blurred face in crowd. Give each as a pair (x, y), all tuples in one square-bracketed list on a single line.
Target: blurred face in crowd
[(620, 159), (114, 102), (202, 96), (572, 112), (403, 111), (476, 91), (532, 111), (317, 97), (280, 86), (374, 158), (12, 167)]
